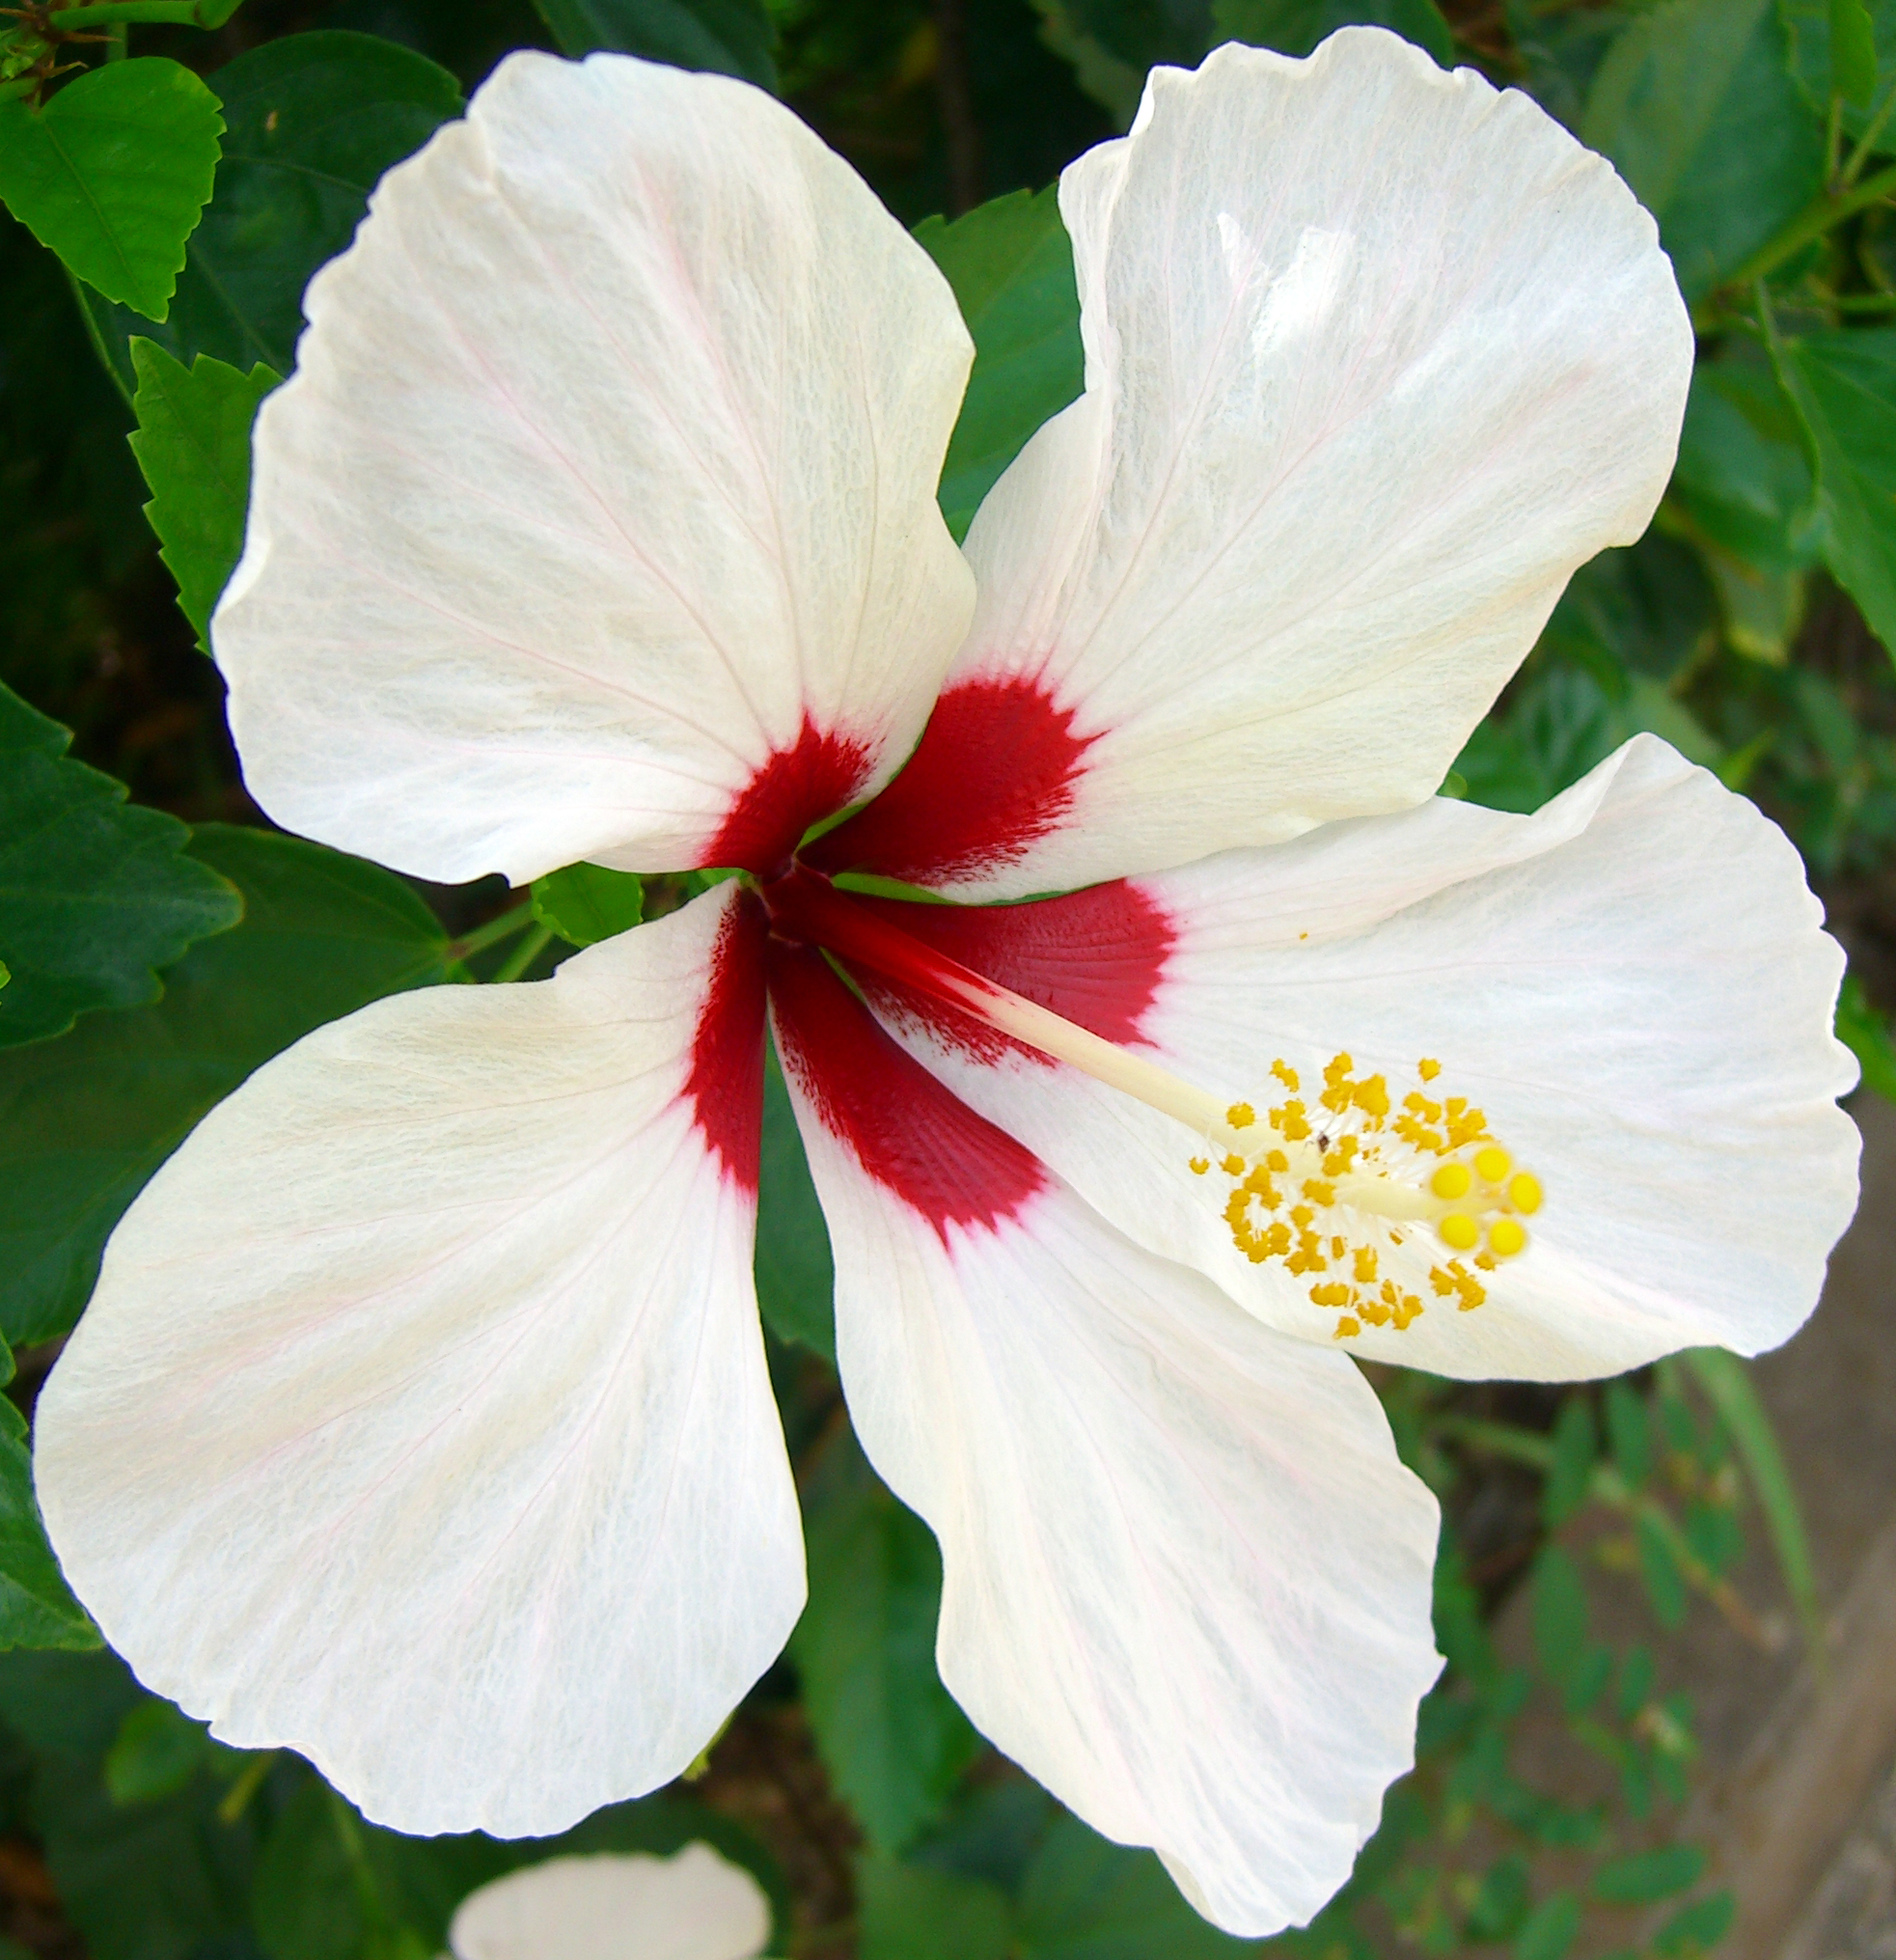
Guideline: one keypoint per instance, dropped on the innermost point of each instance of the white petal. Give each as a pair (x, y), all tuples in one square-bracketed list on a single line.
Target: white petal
[(607, 473), (1633, 984), (1376, 357), (1186, 1580), (420, 1421), (692, 1906)]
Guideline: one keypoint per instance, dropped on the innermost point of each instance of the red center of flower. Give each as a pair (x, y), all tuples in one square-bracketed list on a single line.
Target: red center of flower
[(995, 770)]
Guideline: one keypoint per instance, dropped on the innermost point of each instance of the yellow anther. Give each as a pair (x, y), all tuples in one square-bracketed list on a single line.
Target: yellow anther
[(1507, 1237), (1430, 1168), (1452, 1180)]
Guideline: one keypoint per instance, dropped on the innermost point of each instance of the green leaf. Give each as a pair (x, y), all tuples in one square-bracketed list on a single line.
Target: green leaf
[(1728, 1383), (1296, 26), (1695, 104), (331, 1885), (1500, 1901), (84, 1121), (1647, 1875), (1549, 1929), (1560, 1614), (157, 1750), (1630, 1433), (1852, 52), (1844, 385), (94, 893), (1083, 1898), (728, 36), (1742, 473), (915, 1912), (1659, 1568), (1698, 1927), (1866, 1035), (1011, 268), (1576, 1445), (37, 1607), (112, 173), (193, 443), (1128, 36), (160, 1881), (894, 1742), (795, 1270), (1822, 60), (585, 904), (315, 120)]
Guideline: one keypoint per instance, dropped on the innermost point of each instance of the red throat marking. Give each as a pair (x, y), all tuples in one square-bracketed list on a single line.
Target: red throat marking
[(994, 771), (813, 778), (917, 1138), (725, 1083)]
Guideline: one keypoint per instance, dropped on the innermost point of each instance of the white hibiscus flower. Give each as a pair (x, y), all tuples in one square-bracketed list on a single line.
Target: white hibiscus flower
[(617, 1906), (420, 1420)]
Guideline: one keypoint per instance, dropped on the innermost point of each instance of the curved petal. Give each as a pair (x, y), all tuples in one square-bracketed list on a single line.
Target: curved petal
[(1375, 358), (607, 476), (1633, 984), (1186, 1580), (420, 1421), (692, 1906)]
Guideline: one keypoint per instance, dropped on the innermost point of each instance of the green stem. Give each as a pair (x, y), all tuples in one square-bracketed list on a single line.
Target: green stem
[(523, 956), (503, 925), (1865, 143), (1808, 226), (235, 1801), (116, 36), (97, 338)]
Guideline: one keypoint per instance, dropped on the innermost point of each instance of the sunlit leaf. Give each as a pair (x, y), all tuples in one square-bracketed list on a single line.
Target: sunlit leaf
[(585, 904), (193, 443), (313, 122), (113, 172), (95, 892)]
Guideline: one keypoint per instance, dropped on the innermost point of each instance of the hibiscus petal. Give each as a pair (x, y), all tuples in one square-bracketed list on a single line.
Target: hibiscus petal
[(420, 1421), (1376, 357), (1633, 984), (1186, 1580), (692, 1906), (606, 476)]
